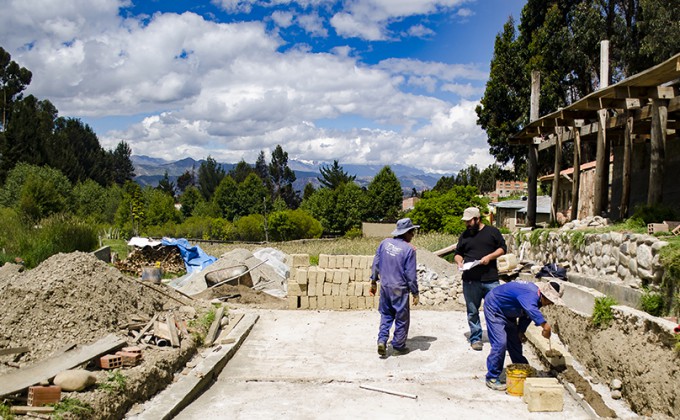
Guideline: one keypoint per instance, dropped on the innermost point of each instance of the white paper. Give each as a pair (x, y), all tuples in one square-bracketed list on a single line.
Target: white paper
[(469, 265)]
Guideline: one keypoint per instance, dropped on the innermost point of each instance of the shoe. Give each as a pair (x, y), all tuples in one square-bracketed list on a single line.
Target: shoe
[(382, 349), (477, 345), (496, 385), (401, 350)]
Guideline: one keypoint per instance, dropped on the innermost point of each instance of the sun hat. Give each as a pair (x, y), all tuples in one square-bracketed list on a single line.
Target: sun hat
[(403, 226), (552, 291), (470, 213)]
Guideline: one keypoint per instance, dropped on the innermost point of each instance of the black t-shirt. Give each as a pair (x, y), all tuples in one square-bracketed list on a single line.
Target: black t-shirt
[(474, 247)]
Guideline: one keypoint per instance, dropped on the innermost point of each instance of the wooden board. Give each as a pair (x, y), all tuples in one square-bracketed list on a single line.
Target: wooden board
[(14, 350), (44, 370)]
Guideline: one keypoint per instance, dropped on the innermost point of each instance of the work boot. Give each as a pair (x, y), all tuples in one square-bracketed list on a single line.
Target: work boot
[(382, 349), (477, 345), (401, 350), (496, 385)]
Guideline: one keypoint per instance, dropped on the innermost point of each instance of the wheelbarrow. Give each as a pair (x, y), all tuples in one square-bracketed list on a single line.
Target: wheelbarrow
[(234, 275)]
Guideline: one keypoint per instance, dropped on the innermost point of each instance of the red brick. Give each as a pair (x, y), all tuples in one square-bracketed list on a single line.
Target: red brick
[(129, 359), (43, 395), (132, 349), (110, 361)]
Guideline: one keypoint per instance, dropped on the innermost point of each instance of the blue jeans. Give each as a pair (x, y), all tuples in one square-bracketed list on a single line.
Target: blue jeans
[(394, 308), (474, 292), (503, 335)]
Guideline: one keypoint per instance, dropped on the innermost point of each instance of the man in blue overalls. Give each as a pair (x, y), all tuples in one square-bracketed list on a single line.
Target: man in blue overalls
[(509, 309), (395, 265)]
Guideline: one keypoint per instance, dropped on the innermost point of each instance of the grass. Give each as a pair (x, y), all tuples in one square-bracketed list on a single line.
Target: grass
[(5, 412), (201, 325), (72, 408), (116, 382), (341, 246), (119, 246), (652, 302), (602, 312)]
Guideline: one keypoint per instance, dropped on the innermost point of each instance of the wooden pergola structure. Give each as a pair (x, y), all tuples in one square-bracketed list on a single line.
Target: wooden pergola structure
[(638, 115)]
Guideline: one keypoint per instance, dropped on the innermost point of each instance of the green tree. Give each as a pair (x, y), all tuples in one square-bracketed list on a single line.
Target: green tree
[(226, 198), (251, 195), (250, 228), (187, 179), (385, 196), (321, 205), (91, 201), (308, 191), (36, 191), (74, 149), (442, 212), (282, 178), (189, 200), (166, 186), (333, 176), (13, 80), (131, 214), (262, 170), (350, 208), (210, 174), (289, 225), (160, 207), (123, 169), (241, 171), (660, 25)]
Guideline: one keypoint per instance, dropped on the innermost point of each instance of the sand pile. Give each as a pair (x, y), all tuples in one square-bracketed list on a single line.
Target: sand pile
[(68, 299)]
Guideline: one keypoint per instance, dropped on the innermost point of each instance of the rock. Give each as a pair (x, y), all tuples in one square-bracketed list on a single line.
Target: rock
[(616, 384), (658, 245), (644, 256), (74, 380), (616, 394)]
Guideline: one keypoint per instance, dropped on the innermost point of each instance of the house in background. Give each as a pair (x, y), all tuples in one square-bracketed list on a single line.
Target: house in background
[(512, 214), (508, 188), (409, 203)]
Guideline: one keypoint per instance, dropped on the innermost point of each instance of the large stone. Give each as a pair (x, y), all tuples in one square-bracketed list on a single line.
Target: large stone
[(658, 245), (545, 398), (616, 238), (644, 256), (75, 380), (632, 265), (645, 274), (597, 248)]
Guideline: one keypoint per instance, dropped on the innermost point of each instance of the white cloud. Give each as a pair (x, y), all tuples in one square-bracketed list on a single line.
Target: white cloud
[(199, 88), (420, 31), (312, 24), (282, 19), (465, 12), (464, 90)]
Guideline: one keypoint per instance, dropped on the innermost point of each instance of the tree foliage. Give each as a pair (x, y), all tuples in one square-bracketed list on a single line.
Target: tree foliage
[(282, 178), (210, 174), (13, 80), (384, 196), (442, 212), (333, 176), (289, 225)]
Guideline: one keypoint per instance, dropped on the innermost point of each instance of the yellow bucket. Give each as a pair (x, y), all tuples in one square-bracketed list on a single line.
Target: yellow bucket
[(515, 376)]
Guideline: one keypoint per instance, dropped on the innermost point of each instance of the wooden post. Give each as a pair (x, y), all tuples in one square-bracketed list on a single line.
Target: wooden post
[(576, 178), (556, 178), (532, 162), (601, 188), (658, 152), (627, 163)]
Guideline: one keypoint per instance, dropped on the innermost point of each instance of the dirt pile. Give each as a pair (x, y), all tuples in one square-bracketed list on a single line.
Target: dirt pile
[(68, 299)]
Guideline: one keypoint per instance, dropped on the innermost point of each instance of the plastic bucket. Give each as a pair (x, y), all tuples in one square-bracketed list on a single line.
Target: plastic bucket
[(515, 376), (152, 274)]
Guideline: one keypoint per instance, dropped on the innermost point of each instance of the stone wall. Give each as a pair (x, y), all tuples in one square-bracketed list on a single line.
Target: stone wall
[(628, 259)]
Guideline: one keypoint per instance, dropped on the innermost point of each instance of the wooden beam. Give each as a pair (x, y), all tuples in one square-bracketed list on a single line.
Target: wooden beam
[(576, 184), (601, 160), (627, 165), (556, 178), (654, 92), (15, 350), (532, 161), (657, 158)]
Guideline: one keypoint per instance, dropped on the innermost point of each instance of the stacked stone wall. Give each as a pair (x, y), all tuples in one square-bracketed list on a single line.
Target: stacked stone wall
[(624, 258)]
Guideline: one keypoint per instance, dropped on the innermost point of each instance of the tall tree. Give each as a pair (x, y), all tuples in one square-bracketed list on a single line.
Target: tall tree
[(123, 169), (251, 195), (282, 178), (385, 196), (226, 198), (241, 171), (13, 81), (210, 174), (166, 186), (262, 170), (333, 176), (187, 179)]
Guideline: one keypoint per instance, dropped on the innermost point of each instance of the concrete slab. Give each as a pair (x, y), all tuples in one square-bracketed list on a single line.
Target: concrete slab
[(311, 364)]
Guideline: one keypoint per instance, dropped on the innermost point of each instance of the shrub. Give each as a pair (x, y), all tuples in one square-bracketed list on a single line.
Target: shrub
[(602, 312), (115, 382), (250, 228), (289, 225), (354, 233), (652, 302), (654, 214)]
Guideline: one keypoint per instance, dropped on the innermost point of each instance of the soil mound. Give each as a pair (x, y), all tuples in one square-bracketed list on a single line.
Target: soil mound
[(68, 299)]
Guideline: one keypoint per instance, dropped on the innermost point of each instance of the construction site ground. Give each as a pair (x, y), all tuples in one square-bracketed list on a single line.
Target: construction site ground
[(313, 364)]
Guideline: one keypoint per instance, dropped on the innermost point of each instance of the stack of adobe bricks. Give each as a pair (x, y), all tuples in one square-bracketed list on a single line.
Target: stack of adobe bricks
[(338, 282)]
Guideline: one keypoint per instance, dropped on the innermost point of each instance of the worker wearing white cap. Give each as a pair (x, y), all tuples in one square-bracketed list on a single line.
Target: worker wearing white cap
[(480, 245), (395, 265)]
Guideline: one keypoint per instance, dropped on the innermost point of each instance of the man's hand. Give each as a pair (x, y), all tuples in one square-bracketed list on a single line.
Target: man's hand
[(485, 260), (547, 331), (416, 300), (374, 288)]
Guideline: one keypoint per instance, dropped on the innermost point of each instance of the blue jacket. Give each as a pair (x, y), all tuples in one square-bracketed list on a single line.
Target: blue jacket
[(517, 299), (395, 263)]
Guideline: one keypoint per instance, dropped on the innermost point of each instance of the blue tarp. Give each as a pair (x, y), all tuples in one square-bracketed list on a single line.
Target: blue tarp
[(195, 259)]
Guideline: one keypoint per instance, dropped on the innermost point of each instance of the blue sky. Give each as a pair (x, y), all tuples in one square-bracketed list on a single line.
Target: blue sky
[(360, 81)]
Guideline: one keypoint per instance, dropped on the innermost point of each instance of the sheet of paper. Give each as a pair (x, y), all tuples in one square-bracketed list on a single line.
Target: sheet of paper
[(469, 265)]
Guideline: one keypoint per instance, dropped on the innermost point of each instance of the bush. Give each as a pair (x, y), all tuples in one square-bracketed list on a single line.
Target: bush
[(654, 214), (602, 312), (652, 302), (250, 228), (289, 225), (354, 233)]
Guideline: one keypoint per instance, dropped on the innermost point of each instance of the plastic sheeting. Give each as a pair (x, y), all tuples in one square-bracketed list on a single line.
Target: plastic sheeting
[(195, 259)]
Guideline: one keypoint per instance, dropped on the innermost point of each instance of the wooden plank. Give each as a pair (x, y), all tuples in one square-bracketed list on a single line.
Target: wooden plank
[(226, 330), (446, 251), (148, 326), (14, 350), (174, 337), (44, 370), (657, 159), (627, 165), (25, 409), (215, 327)]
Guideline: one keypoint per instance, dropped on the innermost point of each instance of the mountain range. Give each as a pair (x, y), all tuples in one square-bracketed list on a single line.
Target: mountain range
[(149, 171)]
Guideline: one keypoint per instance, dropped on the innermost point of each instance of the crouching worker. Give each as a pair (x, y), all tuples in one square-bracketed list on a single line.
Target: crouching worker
[(395, 265), (509, 309)]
